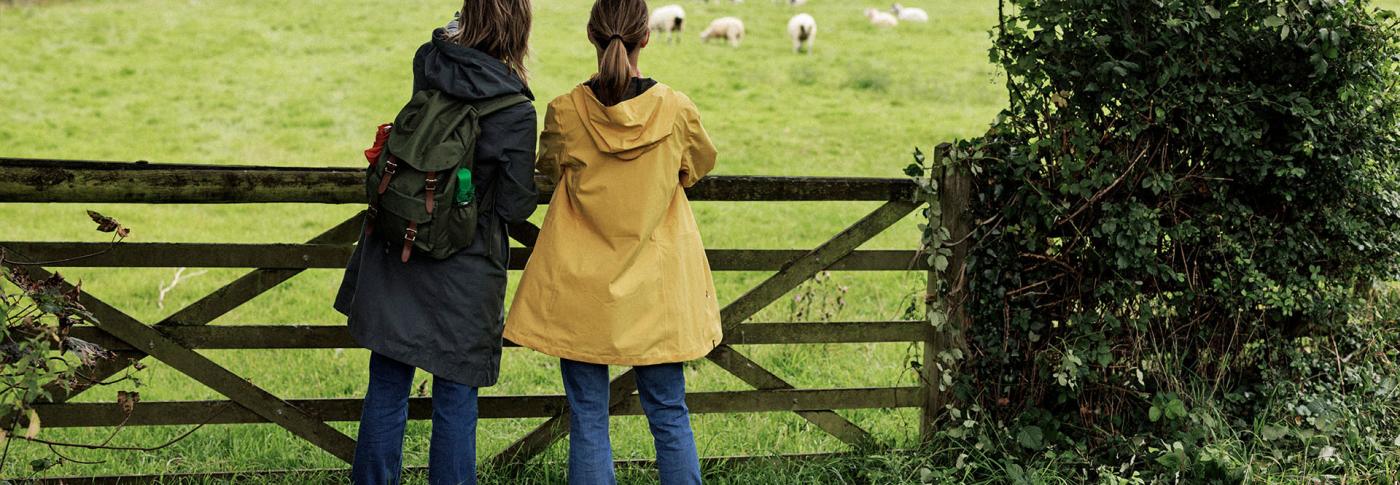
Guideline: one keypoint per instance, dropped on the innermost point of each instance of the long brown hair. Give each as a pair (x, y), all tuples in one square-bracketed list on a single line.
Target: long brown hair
[(617, 28), (499, 28)]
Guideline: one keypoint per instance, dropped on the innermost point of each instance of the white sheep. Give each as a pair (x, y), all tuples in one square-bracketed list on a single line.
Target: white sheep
[(881, 19), (803, 30), (796, 3), (730, 28), (909, 14), (669, 20)]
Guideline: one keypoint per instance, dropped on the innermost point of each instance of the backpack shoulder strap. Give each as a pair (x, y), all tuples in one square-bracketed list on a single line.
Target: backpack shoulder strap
[(492, 105)]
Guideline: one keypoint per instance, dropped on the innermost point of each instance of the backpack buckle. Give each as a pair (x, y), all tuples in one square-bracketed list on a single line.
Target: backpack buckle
[(390, 167), (432, 183), (410, 235)]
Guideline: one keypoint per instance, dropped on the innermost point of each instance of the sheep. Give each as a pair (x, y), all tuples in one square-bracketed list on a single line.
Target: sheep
[(796, 3), (803, 30), (669, 19), (909, 14), (730, 28), (881, 19)]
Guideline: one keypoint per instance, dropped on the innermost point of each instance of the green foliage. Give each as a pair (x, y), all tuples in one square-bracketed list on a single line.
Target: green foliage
[(36, 316), (1180, 199), (36, 351)]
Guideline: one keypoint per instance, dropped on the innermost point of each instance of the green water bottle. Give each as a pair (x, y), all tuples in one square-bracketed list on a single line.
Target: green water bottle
[(466, 191)]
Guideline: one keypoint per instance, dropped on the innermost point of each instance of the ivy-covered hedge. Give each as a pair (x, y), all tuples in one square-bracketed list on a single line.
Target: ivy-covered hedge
[(1178, 192)]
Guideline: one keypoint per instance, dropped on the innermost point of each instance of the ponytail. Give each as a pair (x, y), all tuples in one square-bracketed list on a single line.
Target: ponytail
[(614, 72), (616, 27)]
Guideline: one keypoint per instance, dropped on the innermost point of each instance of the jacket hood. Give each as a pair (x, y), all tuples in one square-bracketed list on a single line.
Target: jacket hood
[(465, 72), (631, 128)]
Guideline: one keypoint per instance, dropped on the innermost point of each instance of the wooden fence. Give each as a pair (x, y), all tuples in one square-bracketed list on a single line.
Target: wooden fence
[(176, 339)]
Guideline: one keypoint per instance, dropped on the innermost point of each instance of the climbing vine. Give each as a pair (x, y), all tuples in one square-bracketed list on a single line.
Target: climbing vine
[(1184, 192)]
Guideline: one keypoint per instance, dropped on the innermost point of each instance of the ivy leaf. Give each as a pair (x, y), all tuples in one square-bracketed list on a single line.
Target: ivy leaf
[(1031, 437), (42, 464), (1212, 12), (1273, 21), (1154, 413)]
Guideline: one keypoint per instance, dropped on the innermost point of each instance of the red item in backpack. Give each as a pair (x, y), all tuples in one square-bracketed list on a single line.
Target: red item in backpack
[(380, 137)]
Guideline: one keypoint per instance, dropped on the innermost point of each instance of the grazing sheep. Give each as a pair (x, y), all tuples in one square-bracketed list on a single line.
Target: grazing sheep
[(730, 28), (881, 19), (796, 3), (669, 20), (803, 30), (909, 14)]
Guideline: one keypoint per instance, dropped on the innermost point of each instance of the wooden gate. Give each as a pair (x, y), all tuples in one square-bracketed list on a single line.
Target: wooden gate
[(176, 339)]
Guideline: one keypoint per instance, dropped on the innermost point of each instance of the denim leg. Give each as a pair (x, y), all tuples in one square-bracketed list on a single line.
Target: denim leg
[(452, 455), (662, 392), (590, 451), (379, 448)]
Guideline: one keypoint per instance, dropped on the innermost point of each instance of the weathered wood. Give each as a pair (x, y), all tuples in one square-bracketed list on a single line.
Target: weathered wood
[(64, 181), (32, 180), (755, 375), (819, 259), (149, 341), (955, 192), (225, 337), (343, 474), (104, 369), (257, 282), (332, 256), (75, 415), (733, 314)]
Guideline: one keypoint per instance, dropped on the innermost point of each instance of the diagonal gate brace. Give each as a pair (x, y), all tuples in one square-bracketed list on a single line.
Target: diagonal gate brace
[(741, 309), (151, 342), (201, 312)]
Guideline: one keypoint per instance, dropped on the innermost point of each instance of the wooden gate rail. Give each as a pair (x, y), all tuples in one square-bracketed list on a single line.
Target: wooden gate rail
[(175, 339), (245, 337), (81, 415), (334, 256), (32, 180)]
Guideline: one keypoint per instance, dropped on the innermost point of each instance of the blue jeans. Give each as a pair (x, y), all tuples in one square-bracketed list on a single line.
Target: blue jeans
[(662, 391), (379, 451)]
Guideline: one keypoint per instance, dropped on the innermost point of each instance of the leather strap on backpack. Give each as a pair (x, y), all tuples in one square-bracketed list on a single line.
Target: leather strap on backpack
[(408, 237), (430, 187), (390, 168)]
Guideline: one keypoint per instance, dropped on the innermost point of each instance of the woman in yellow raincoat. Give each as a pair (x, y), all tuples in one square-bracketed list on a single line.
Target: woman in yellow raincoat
[(619, 274)]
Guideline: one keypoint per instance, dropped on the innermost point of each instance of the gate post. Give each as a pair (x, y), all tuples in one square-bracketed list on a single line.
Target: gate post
[(946, 289)]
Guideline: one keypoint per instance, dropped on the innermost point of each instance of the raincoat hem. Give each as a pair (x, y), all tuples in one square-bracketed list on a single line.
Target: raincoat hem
[(464, 375), (630, 361)]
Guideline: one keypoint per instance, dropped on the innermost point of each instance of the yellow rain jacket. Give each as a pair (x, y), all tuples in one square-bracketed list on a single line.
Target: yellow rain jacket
[(619, 274)]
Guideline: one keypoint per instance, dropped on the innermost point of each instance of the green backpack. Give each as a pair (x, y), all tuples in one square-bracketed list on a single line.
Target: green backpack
[(421, 189)]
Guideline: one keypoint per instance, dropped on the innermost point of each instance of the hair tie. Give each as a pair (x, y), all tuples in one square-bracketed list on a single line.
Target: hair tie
[(618, 37)]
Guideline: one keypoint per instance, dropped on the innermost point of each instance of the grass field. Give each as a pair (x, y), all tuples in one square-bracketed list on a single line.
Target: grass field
[(303, 83)]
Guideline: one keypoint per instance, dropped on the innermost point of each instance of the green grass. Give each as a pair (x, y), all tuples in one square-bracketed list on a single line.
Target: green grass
[(304, 83)]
